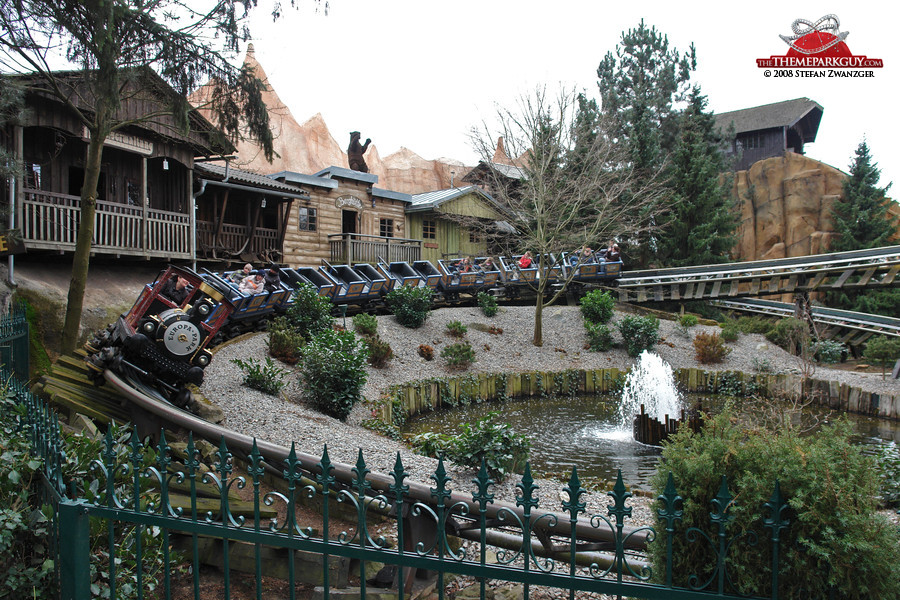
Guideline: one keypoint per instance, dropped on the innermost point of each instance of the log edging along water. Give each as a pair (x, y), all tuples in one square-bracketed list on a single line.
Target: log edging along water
[(443, 392)]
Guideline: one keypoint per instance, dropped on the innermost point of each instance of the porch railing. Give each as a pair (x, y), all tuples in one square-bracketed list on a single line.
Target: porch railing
[(348, 248), (50, 221), (233, 241)]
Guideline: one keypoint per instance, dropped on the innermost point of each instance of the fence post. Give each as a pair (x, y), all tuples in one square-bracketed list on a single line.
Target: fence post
[(74, 556)]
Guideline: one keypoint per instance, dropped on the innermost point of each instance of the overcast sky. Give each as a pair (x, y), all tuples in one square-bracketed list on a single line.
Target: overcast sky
[(421, 74)]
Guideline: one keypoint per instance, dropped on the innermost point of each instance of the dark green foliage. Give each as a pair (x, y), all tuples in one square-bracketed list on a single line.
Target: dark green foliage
[(410, 305), (882, 350), (26, 566), (755, 325), (284, 341), (835, 536), (502, 450), (790, 334), (709, 348), (332, 368), (597, 306), (688, 320), (861, 220), (456, 329), (639, 333), (829, 351), (730, 332), (700, 227), (889, 471), (380, 352), (365, 324), (310, 313), (487, 303), (458, 356), (267, 378), (599, 336)]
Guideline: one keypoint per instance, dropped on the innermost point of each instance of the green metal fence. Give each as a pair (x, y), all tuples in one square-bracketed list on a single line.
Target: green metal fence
[(14, 341), (139, 509)]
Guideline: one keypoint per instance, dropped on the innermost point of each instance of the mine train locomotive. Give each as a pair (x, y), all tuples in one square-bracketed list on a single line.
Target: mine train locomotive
[(165, 343), (161, 342)]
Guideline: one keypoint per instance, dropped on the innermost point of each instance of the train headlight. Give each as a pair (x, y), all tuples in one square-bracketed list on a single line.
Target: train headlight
[(149, 327), (204, 309), (202, 360)]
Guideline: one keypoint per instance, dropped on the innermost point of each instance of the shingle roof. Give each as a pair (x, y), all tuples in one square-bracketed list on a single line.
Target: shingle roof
[(218, 172), (778, 114)]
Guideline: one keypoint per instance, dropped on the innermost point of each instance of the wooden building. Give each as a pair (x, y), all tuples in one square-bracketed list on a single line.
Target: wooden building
[(345, 220), (453, 222), (769, 130), (145, 188)]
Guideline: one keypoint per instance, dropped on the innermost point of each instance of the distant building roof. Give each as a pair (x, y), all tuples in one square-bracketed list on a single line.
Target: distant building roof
[(391, 195), (343, 173), (301, 179), (800, 112), (431, 200)]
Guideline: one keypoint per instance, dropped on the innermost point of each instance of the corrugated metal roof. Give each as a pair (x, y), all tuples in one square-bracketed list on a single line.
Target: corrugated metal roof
[(434, 199), (767, 116), (217, 173)]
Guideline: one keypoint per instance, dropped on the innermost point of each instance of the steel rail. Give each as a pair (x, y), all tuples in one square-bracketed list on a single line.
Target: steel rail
[(550, 522)]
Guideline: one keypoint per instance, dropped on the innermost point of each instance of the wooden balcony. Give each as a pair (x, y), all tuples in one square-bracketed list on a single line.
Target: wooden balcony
[(50, 221), (349, 248), (234, 242)]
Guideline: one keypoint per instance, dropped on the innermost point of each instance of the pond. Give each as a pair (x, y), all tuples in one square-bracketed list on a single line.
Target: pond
[(585, 432)]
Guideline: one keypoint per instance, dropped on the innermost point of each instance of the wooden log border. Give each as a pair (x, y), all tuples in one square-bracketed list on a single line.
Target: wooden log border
[(420, 396)]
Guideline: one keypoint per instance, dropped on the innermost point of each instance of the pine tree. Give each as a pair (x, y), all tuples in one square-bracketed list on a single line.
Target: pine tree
[(862, 220), (700, 227)]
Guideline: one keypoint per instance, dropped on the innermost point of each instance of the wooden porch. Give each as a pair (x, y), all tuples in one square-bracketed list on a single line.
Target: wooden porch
[(349, 248), (235, 243), (49, 221)]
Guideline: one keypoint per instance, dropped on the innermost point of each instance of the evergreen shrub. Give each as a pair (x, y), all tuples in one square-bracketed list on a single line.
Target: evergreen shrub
[(597, 306), (267, 378), (834, 538), (365, 324), (709, 348), (332, 367), (883, 350), (829, 351), (730, 332), (755, 324), (639, 333), (599, 336), (487, 303), (309, 313), (459, 355), (284, 341), (410, 305), (789, 333), (380, 352), (456, 329)]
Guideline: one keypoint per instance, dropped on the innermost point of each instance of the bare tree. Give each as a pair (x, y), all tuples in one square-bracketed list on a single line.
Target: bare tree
[(574, 184)]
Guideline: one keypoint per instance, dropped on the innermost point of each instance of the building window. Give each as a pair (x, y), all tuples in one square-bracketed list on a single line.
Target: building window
[(386, 228), (429, 229), (751, 141), (307, 218), (475, 237)]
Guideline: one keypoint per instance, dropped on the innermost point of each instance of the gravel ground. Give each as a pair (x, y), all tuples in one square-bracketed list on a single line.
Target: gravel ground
[(285, 420)]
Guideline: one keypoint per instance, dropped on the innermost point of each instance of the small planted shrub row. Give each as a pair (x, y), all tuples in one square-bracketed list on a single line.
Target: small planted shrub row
[(380, 352)]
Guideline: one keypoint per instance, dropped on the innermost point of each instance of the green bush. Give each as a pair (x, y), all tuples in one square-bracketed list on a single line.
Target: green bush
[(829, 351), (709, 348), (889, 471), (790, 334), (488, 304), (267, 378), (380, 352), (410, 305), (597, 306), (755, 324), (883, 350), (332, 367), (502, 449), (26, 566), (458, 356), (284, 341), (309, 313), (835, 537), (639, 333), (688, 320), (599, 336), (365, 324), (730, 332), (456, 329), (762, 365)]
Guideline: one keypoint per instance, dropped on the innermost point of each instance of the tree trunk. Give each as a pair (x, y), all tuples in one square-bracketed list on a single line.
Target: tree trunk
[(82, 256), (538, 316)]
